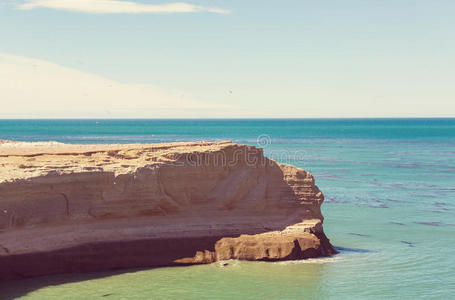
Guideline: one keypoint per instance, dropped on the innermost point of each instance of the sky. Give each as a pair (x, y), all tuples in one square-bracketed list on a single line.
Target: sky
[(227, 58)]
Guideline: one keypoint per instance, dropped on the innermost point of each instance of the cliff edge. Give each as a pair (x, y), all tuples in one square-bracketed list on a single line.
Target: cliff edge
[(80, 208)]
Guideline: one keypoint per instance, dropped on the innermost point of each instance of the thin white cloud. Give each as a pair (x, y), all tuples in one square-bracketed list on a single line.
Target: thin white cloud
[(118, 7), (32, 88)]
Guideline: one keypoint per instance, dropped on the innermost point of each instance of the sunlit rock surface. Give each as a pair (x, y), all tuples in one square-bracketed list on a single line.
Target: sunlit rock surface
[(78, 208)]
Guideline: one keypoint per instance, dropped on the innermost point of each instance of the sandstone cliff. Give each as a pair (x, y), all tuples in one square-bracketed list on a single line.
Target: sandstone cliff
[(77, 208)]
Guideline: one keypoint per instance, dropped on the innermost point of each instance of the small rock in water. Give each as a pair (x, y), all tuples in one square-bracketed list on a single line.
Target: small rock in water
[(397, 223), (429, 223), (358, 234), (408, 243)]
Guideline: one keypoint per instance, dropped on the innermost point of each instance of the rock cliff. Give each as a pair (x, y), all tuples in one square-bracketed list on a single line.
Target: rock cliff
[(78, 208)]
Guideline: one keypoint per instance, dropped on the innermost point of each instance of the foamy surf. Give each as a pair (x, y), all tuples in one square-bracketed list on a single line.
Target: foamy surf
[(321, 260)]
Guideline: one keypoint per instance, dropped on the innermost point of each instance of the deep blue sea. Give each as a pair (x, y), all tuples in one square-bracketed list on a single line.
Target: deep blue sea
[(389, 186)]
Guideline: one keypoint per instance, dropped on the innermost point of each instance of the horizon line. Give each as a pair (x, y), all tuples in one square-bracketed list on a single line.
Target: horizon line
[(241, 118)]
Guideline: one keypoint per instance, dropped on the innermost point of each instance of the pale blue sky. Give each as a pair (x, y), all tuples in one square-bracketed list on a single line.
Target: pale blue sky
[(261, 59)]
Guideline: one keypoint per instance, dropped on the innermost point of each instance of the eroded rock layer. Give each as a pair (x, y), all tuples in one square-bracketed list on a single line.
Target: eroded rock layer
[(77, 208)]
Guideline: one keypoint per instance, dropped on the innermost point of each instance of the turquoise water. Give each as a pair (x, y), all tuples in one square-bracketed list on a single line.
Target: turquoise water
[(389, 209)]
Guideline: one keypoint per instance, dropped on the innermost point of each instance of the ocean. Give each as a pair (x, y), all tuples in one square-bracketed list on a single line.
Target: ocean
[(389, 186)]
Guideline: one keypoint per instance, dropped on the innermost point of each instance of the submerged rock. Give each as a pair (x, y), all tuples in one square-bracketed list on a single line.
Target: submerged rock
[(78, 208)]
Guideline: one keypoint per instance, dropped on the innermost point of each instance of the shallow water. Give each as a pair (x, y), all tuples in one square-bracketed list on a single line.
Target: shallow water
[(390, 201)]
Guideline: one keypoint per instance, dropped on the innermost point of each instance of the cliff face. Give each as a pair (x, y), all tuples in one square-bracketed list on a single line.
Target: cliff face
[(71, 208)]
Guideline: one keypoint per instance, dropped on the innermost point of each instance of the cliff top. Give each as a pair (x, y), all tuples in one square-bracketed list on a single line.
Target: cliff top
[(22, 160)]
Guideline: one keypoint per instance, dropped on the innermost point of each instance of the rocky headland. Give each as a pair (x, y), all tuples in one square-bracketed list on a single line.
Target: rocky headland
[(81, 208)]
